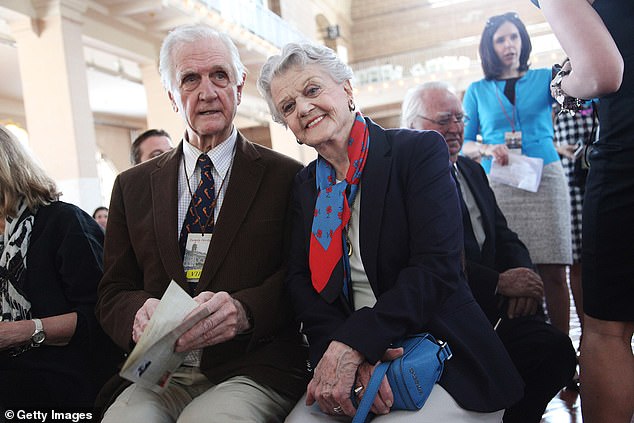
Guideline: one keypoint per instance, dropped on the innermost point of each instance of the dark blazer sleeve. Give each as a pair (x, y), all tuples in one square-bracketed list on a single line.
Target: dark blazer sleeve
[(502, 249), (69, 241)]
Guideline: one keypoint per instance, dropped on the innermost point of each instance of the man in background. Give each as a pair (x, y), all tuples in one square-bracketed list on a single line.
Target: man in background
[(498, 265), (149, 144)]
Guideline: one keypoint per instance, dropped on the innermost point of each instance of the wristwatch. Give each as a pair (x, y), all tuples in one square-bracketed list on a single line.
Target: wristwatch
[(39, 335)]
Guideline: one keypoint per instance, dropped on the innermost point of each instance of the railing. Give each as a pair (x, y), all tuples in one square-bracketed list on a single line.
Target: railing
[(256, 18), (419, 64), (459, 57)]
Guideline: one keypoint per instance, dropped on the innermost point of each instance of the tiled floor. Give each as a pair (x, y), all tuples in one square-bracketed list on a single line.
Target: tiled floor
[(566, 406)]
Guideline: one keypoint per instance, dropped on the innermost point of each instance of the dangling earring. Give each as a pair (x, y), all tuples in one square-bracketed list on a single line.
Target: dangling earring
[(351, 105), (299, 142)]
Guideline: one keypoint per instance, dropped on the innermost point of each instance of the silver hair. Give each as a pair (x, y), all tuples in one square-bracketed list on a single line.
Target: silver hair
[(299, 55), (413, 104), (189, 34)]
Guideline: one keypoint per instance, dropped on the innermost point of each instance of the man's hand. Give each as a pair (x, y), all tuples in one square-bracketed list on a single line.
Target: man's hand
[(142, 317), (524, 290), (521, 306), (226, 318)]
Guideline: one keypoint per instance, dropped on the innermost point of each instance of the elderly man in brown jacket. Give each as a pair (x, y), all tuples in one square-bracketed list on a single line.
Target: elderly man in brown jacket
[(245, 361)]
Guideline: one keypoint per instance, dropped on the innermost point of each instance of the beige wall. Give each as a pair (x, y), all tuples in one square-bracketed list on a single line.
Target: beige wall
[(114, 137)]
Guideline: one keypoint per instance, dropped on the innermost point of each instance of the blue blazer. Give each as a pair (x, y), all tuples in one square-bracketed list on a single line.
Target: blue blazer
[(411, 247), (502, 249)]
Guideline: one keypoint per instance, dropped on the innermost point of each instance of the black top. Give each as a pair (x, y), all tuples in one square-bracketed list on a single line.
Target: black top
[(64, 266), (616, 110)]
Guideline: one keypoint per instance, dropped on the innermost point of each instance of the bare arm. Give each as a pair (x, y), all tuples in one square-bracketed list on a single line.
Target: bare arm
[(597, 64), (59, 330)]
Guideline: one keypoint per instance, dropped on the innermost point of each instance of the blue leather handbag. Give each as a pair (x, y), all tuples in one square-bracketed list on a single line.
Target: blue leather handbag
[(411, 376)]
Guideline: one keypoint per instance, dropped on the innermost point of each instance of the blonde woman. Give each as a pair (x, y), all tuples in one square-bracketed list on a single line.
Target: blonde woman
[(52, 351)]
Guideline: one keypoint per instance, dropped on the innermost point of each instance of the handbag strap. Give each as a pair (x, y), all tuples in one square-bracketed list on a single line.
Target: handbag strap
[(370, 392), (444, 353)]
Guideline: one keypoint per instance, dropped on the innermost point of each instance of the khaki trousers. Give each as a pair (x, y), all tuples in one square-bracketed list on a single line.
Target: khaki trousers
[(191, 398)]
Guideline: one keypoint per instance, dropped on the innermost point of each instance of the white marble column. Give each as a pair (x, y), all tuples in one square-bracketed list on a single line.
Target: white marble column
[(159, 109), (55, 91)]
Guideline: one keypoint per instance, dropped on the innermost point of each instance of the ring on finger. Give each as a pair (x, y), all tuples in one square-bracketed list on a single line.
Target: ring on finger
[(358, 389), (337, 409)]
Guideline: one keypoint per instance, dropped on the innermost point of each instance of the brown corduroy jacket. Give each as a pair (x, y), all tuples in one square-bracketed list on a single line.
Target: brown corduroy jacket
[(246, 258)]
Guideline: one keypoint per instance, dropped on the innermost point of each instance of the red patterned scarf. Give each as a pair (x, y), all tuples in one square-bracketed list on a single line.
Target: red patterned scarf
[(332, 212)]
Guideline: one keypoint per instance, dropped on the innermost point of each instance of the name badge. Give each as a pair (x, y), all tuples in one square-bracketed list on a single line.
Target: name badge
[(513, 139), (195, 253)]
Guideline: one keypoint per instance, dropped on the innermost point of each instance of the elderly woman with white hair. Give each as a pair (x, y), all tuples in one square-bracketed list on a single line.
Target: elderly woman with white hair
[(381, 258)]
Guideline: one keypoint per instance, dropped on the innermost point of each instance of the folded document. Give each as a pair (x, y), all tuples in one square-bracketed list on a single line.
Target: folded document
[(153, 360), (521, 172)]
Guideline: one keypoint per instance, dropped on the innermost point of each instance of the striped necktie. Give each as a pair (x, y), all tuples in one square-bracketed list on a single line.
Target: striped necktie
[(200, 214)]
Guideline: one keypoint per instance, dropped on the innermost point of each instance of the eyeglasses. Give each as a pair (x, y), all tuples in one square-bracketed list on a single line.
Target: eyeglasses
[(504, 17), (445, 119)]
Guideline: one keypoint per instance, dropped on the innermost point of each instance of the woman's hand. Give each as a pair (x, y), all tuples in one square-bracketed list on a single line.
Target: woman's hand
[(385, 398), (58, 329), (332, 381), (16, 333), (475, 151), (500, 153), (566, 150)]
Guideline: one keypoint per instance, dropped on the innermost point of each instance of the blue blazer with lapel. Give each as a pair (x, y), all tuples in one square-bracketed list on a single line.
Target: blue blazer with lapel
[(502, 249), (411, 247)]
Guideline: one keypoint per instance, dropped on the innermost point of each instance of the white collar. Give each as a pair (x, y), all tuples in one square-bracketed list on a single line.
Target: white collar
[(221, 155)]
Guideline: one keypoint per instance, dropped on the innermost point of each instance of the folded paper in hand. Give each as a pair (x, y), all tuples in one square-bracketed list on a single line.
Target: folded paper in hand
[(521, 172), (153, 360)]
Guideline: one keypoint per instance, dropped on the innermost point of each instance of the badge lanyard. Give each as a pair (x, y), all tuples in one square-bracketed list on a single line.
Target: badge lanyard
[(193, 261), (512, 139)]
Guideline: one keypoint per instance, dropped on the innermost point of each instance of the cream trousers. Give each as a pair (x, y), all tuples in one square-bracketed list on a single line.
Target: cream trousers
[(191, 398), (440, 407)]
